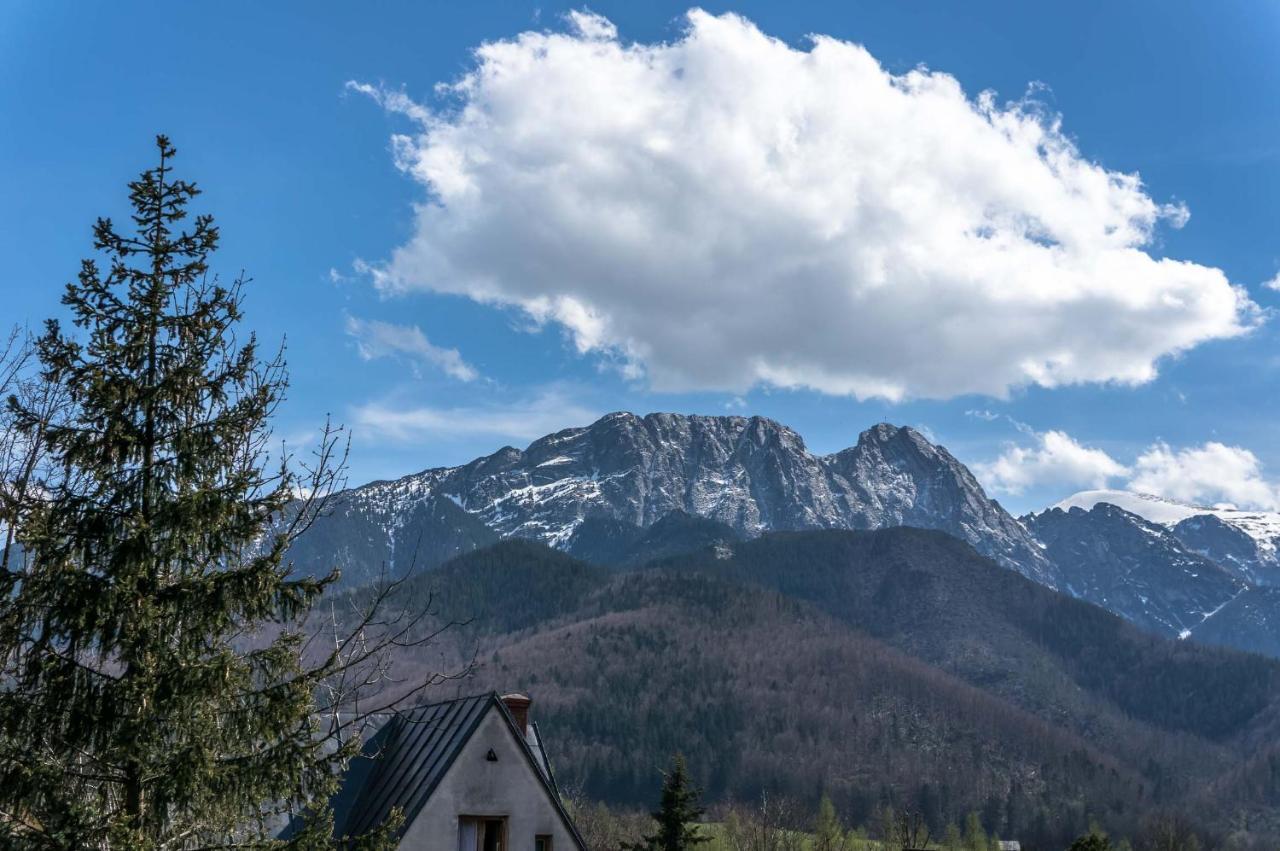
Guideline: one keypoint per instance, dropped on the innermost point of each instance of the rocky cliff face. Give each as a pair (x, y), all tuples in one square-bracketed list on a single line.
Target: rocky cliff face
[(751, 474), (898, 478)]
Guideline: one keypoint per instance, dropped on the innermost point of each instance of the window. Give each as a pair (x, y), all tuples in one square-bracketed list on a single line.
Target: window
[(482, 833), (542, 842)]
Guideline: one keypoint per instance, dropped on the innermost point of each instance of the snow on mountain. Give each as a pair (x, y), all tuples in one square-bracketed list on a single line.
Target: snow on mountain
[(1244, 542), (1153, 508)]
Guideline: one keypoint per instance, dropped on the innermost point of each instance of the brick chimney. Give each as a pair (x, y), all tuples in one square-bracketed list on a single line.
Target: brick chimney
[(518, 705)]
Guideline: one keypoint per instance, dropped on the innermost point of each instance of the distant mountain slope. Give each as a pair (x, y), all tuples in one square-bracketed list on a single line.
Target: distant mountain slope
[(892, 665), (1133, 567), (613, 542), (1246, 542), (935, 597), (751, 474)]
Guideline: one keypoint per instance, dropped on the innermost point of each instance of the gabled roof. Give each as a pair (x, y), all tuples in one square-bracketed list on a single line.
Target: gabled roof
[(405, 761)]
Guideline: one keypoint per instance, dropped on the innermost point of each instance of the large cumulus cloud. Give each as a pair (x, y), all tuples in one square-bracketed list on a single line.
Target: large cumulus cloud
[(726, 210)]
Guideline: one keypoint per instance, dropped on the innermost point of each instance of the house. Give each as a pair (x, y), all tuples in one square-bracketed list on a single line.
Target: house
[(469, 775), (1010, 845)]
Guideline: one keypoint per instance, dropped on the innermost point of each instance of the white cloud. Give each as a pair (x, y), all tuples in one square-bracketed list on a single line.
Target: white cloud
[(724, 210), (375, 339), (1274, 283), (1057, 459), (1211, 474), (523, 420)]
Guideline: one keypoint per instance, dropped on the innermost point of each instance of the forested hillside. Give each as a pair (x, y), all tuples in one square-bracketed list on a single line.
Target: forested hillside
[(892, 667)]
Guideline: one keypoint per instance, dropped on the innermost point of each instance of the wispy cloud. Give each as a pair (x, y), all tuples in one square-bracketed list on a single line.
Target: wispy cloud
[(521, 420), (390, 100), (376, 339), (988, 416)]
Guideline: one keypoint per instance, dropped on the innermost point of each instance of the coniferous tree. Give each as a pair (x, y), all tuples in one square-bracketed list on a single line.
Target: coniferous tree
[(975, 837), (676, 815), (153, 693), (1094, 840)]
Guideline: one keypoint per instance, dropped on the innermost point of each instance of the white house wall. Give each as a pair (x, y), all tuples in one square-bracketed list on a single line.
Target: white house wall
[(474, 786)]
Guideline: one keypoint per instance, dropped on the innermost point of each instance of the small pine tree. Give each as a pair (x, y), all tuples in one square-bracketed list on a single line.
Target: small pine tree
[(135, 714), (828, 832), (676, 815)]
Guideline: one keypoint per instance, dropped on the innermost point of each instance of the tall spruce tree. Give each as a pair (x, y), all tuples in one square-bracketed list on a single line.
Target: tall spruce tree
[(677, 813), (154, 695)]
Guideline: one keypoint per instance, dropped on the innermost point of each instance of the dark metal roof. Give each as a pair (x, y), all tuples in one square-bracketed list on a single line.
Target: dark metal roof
[(416, 750), (404, 762)]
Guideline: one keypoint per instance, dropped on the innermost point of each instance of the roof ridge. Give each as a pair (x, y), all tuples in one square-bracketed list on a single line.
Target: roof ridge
[(460, 699)]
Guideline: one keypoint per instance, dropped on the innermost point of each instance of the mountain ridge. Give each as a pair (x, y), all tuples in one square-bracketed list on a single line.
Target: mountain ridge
[(749, 473)]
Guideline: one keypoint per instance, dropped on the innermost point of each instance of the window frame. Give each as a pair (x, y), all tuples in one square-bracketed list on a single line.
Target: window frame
[(480, 821)]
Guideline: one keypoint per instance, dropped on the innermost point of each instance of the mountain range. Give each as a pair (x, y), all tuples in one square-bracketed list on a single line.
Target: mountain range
[(628, 486), (867, 623)]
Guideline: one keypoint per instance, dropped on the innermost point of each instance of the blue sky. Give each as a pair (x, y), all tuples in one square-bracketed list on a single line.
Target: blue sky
[(300, 171)]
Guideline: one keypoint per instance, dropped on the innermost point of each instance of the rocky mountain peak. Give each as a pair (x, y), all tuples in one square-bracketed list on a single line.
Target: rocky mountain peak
[(882, 433), (751, 474)]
